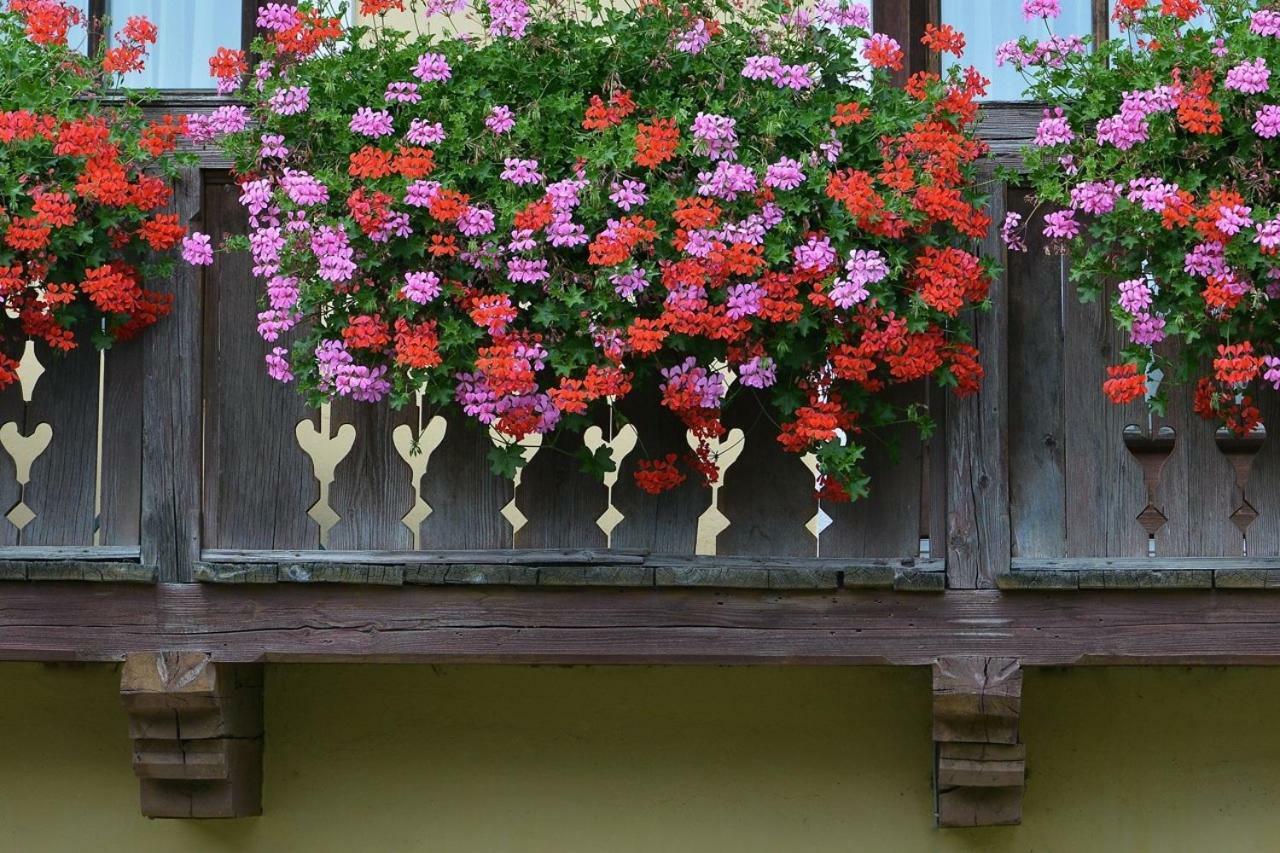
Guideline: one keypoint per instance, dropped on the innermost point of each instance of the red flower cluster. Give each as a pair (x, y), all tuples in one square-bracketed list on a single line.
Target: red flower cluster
[(91, 184)]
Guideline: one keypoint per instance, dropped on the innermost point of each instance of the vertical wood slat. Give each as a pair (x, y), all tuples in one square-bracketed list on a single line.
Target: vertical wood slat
[(768, 494), (1105, 489), (171, 422), (1196, 489), (119, 522), (660, 524), (258, 481), (372, 491), (465, 496), (560, 502), (886, 523), (62, 490), (1263, 489), (977, 442), (1037, 485)]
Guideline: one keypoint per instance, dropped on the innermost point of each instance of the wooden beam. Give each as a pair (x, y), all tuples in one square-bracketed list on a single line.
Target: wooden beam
[(197, 734), (327, 623), (980, 763)]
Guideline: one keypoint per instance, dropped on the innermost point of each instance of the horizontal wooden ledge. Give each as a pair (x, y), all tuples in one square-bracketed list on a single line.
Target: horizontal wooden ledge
[(325, 623), (568, 568), (1174, 573)]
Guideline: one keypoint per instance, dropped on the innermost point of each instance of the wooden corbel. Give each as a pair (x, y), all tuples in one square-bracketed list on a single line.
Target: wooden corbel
[(197, 730), (980, 762)]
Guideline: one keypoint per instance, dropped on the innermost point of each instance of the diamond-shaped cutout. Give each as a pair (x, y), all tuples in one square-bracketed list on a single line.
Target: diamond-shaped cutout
[(609, 519), (514, 517), (413, 518), (1151, 519), (21, 515), (820, 522), (1244, 516), (326, 517)]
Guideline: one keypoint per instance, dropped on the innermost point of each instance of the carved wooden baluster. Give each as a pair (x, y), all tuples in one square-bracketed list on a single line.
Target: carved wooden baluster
[(620, 446), (820, 520), (1151, 453), (25, 449), (326, 450), (530, 445), (1241, 451), (713, 522), (415, 448)]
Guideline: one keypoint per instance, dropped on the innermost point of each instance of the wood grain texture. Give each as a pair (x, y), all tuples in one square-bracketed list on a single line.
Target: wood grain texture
[(462, 624), (1196, 489), (560, 502), (768, 494), (371, 491), (120, 520), (888, 522), (667, 523), (258, 481), (172, 412), (978, 544), (466, 497), (1263, 489), (197, 730), (64, 477), (1105, 489), (1037, 462)]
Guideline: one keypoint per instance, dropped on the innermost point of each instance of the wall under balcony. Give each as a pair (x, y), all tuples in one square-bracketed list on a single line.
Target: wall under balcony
[(679, 760)]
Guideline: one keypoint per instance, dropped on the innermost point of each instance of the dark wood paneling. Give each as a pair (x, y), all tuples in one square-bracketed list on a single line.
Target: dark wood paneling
[(978, 444), (325, 623), (171, 425), (258, 481)]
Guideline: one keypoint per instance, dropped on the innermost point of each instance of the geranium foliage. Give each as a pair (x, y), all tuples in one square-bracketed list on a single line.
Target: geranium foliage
[(82, 180), (1158, 162), (579, 202)]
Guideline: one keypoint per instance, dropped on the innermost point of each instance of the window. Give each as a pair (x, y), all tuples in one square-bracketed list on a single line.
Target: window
[(190, 32), (987, 25)]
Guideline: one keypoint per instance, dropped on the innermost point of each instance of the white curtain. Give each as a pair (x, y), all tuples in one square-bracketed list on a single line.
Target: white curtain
[(987, 24), (190, 32)]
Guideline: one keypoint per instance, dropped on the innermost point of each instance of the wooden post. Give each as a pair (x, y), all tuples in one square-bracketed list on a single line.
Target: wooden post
[(980, 762), (197, 734)]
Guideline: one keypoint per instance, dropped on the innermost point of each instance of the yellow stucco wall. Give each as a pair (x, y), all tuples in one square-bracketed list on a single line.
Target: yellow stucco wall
[(677, 760)]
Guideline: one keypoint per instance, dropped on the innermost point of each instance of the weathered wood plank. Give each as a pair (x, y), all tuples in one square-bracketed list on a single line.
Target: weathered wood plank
[(372, 492), (768, 494), (120, 518), (666, 523), (888, 521), (465, 496), (515, 557), (1105, 489), (1037, 489), (63, 486), (258, 481), (172, 413), (560, 502), (978, 545), (530, 625)]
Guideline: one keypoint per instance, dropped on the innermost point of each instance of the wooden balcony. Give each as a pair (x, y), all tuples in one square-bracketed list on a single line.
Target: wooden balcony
[(169, 504)]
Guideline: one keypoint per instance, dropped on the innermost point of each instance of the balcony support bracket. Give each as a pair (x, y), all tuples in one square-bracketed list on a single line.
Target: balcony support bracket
[(197, 729), (979, 758)]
